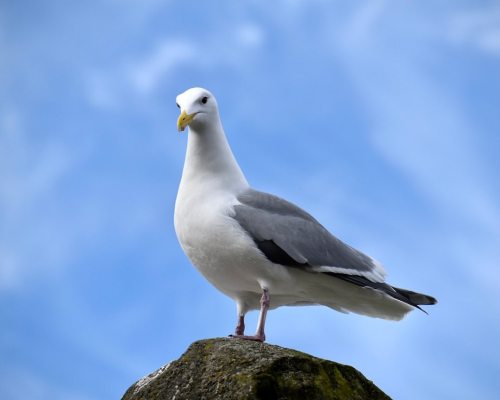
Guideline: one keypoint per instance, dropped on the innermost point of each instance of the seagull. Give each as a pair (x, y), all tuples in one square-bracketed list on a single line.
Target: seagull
[(260, 250)]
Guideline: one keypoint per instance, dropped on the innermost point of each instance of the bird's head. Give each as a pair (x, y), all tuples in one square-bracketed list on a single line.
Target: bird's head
[(198, 106)]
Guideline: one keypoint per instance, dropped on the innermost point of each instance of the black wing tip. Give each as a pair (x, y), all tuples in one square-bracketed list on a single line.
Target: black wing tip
[(430, 301), (420, 308), (417, 298)]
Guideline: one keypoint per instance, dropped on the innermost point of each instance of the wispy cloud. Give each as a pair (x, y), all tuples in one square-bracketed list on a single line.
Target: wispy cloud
[(479, 28), (29, 173), (135, 80), (145, 74), (419, 128), (358, 28), (141, 75), (250, 34)]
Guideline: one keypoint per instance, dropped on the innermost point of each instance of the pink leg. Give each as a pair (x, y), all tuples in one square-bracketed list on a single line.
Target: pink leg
[(240, 328), (259, 336)]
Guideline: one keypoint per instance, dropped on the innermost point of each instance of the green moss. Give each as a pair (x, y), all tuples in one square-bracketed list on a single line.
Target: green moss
[(243, 370)]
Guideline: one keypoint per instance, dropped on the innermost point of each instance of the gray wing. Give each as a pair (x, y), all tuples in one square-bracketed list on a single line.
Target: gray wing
[(290, 236)]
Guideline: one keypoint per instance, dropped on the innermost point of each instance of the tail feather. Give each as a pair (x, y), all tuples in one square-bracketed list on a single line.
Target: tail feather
[(407, 296)]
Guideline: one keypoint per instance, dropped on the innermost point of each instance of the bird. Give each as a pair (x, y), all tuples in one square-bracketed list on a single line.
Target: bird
[(260, 250)]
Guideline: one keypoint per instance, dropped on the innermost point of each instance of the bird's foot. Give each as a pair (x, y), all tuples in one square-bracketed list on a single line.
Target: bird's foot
[(255, 338)]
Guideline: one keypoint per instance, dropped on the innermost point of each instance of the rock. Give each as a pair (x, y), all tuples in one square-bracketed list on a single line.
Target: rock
[(242, 369)]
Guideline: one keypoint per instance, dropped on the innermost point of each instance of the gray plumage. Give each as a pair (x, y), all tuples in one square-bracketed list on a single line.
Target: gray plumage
[(267, 217), (289, 236)]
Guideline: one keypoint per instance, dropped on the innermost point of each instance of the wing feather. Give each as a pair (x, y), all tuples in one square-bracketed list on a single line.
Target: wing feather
[(288, 235)]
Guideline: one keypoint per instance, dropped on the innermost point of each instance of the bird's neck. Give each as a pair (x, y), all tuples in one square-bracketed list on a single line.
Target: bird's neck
[(209, 159)]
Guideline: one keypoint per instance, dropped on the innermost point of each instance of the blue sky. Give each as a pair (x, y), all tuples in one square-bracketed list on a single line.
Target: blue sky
[(380, 118)]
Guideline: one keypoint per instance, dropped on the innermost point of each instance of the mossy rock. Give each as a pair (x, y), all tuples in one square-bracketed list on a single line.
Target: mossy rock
[(243, 370)]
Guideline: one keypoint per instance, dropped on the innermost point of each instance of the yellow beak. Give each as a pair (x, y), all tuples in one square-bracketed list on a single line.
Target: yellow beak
[(184, 120)]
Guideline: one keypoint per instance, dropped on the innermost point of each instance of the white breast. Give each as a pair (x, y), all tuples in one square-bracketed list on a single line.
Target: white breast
[(215, 243)]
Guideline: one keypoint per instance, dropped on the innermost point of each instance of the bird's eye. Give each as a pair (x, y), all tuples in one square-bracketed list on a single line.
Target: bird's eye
[(204, 100), (177, 104)]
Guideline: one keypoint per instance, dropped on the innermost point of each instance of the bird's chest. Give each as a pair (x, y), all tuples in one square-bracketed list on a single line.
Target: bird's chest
[(208, 234), (202, 232)]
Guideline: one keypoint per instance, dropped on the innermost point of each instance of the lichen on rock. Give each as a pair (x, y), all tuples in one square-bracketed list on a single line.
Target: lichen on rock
[(243, 370)]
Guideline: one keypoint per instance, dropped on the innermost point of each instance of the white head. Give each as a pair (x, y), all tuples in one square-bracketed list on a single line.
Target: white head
[(198, 107)]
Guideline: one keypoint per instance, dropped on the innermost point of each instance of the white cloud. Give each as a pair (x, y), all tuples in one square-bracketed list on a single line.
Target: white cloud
[(100, 91), (420, 130), (146, 74), (141, 75), (251, 35), (9, 268), (479, 28), (419, 127), (363, 21), (110, 87), (29, 173)]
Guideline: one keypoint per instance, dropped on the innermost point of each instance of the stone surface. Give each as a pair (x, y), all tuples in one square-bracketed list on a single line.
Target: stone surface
[(241, 369)]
